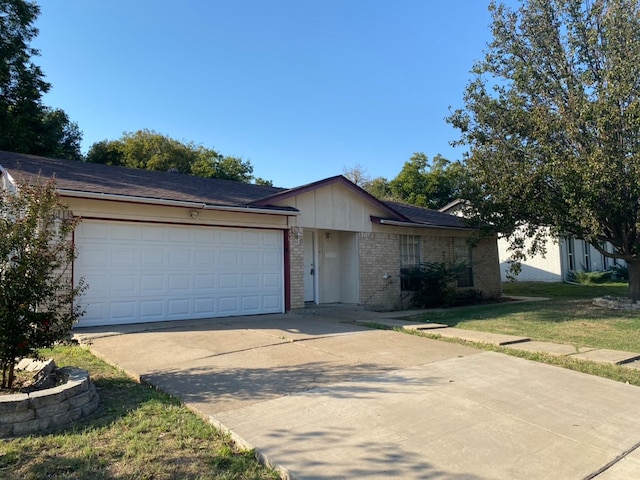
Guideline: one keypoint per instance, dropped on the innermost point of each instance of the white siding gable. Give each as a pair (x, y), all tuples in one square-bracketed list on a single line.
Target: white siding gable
[(333, 207)]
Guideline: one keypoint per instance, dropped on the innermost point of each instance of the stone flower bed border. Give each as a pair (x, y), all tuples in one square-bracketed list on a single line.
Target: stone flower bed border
[(25, 413), (616, 303)]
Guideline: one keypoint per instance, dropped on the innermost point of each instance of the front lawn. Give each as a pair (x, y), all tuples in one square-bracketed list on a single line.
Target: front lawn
[(139, 433), (567, 317)]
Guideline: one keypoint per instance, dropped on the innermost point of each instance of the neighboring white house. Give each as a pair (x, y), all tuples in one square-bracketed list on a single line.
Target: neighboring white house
[(562, 256)]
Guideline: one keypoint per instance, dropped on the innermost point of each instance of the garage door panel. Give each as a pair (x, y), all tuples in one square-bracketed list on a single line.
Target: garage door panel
[(139, 272), (94, 257), (151, 233), (229, 305), (251, 259), (273, 239), (251, 304), (250, 280), (151, 310), (270, 302), (123, 310), (204, 305), (179, 307), (205, 282), (228, 280), (271, 259), (152, 258), (250, 238), (126, 232), (179, 257), (179, 282), (272, 281), (228, 257), (206, 235), (95, 230), (124, 284), (229, 237), (123, 256), (205, 259)]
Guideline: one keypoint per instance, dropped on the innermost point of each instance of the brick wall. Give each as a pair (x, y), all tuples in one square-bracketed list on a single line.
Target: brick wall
[(379, 257), (296, 267), (484, 258), (486, 267)]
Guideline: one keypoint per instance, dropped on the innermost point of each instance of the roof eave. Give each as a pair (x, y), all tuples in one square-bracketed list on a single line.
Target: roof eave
[(399, 223), (176, 203)]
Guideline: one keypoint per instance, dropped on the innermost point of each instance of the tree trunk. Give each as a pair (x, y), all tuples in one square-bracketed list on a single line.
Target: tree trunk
[(634, 279)]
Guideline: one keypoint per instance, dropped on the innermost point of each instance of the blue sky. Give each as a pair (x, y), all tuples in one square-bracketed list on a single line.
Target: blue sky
[(301, 88)]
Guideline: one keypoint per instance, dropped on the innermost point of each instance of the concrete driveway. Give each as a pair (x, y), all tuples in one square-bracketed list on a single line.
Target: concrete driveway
[(322, 399)]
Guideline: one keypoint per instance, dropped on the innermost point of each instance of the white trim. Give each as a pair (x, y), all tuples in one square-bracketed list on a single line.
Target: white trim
[(398, 223), (172, 203)]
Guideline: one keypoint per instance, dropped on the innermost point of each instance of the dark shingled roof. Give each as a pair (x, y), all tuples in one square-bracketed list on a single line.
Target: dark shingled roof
[(97, 178), (426, 216), (146, 184)]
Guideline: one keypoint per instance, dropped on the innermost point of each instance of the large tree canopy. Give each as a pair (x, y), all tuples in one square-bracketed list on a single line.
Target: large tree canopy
[(430, 184), (150, 150), (26, 125), (552, 119)]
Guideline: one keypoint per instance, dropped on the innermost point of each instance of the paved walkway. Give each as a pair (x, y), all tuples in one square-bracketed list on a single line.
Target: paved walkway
[(321, 397)]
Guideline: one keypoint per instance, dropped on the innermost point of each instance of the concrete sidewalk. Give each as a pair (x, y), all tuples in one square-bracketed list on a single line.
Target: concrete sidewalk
[(599, 355), (322, 399)]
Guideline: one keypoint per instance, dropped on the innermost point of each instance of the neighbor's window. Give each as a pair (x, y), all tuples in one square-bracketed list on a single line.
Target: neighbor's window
[(587, 257), (571, 253), (462, 252), (409, 258)]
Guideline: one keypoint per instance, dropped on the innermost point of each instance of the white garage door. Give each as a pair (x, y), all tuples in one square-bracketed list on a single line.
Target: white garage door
[(140, 272)]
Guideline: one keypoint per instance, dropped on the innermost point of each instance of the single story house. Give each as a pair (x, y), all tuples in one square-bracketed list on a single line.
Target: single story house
[(563, 255), (156, 246)]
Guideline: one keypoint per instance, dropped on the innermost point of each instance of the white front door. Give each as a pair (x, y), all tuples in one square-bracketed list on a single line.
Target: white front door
[(309, 267)]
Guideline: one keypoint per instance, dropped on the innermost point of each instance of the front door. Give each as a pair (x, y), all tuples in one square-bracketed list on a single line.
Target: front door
[(309, 267)]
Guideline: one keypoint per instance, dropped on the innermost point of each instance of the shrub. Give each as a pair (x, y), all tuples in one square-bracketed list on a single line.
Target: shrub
[(620, 273), (37, 303), (430, 284), (588, 278)]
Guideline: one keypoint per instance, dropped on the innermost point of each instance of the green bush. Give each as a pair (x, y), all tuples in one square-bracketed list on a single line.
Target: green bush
[(588, 278), (620, 273), (37, 306), (431, 285)]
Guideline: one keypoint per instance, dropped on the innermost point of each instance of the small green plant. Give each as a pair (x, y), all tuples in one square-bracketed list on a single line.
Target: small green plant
[(588, 278)]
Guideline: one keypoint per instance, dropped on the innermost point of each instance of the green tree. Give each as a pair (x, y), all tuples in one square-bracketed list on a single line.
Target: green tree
[(37, 303), (26, 125), (147, 149), (552, 119), (420, 182), (428, 184), (379, 188)]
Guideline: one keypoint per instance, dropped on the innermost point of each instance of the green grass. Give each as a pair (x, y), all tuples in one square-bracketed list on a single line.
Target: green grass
[(139, 433), (567, 317)]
